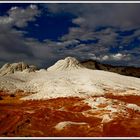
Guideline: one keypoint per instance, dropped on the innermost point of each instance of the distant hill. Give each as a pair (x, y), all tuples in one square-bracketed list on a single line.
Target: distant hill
[(124, 70)]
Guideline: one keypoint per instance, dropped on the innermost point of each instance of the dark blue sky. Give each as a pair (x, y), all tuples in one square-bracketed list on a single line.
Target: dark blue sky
[(43, 33), (49, 26)]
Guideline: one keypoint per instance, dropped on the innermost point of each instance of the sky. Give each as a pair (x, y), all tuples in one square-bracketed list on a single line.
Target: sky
[(41, 34)]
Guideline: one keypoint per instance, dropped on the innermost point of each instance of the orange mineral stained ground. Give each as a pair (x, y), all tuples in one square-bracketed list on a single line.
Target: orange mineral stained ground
[(63, 117)]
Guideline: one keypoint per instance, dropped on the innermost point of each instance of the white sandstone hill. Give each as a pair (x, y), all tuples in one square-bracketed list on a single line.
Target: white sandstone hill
[(69, 63), (69, 78), (12, 68)]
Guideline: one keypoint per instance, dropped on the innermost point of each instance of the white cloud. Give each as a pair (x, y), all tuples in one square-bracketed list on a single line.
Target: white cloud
[(116, 57), (41, 53), (80, 21), (124, 16), (19, 16), (22, 16), (12, 42), (5, 20), (105, 57)]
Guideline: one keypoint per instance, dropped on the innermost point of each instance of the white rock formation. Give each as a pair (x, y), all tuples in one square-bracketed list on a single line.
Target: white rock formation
[(134, 107), (61, 125), (14, 67), (69, 63), (67, 78)]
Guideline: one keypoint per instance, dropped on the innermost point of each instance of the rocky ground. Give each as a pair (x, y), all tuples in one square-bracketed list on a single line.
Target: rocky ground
[(67, 100), (69, 117)]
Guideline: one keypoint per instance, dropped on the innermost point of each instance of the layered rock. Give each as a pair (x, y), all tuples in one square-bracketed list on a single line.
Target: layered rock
[(69, 117), (14, 67), (124, 70), (66, 78), (68, 100), (69, 63)]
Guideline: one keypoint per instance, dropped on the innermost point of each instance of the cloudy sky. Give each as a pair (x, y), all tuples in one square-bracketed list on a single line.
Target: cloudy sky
[(40, 34)]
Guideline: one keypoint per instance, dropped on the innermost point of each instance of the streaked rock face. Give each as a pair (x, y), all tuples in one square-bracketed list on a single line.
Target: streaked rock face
[(69, 63), (65, 78), (124, 70), (12, 68), (69, 117), (67, 100)]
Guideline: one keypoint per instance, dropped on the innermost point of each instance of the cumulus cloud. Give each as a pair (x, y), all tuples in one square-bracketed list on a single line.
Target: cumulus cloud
[(12, 42), (116, 57), (110, 19), (117, 15), (110, 57), (21, 16), (78, 33), (96, 33)]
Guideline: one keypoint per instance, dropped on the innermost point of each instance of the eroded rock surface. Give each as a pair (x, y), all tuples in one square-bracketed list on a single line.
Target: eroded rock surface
[(14, 67), (68, 117)]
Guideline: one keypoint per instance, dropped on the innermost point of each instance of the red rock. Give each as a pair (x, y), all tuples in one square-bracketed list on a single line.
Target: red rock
[(39, 118)]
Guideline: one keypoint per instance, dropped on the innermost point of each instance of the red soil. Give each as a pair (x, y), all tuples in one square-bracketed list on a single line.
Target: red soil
[(127, 98), (39, 118)]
